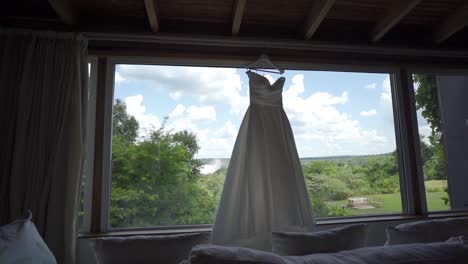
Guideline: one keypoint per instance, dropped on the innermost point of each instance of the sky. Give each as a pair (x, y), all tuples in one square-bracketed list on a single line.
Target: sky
[(331, 113)]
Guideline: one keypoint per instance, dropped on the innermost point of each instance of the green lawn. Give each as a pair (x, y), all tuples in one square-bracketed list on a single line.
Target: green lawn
[(392, 202), (435, 184)]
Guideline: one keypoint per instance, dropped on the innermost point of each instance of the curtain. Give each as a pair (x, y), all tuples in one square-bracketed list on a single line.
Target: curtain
[(43, 95)]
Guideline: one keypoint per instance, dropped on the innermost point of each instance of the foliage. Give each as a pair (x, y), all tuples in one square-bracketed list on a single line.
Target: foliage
[(335, 211), (156, 180), (124, 125), (427, 101)]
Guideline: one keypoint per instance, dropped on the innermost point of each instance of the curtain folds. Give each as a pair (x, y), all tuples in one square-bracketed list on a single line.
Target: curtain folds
[(43, 96)]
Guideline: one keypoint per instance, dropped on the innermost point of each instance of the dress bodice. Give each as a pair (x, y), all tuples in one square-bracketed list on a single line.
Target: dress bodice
[(264, 93)]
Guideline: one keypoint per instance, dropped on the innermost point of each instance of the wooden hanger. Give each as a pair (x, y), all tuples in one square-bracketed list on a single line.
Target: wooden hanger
[(264, 62)]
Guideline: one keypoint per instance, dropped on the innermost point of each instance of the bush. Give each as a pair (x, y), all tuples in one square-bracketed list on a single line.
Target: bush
[(326, 187), (389, 185), (319, 207), (336, 211)]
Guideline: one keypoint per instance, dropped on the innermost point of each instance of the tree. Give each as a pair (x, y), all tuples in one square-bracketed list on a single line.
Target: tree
[(427, 101), (123, 124), (155, 180)]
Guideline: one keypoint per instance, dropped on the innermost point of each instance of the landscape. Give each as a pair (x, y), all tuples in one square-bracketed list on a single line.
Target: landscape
[(158, 181)]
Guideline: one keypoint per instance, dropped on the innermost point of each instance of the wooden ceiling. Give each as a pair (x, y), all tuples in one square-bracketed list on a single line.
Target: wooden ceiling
[(407, 23)]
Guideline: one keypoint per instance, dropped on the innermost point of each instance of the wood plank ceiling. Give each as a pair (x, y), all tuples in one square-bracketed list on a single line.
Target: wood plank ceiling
[(409, 23)]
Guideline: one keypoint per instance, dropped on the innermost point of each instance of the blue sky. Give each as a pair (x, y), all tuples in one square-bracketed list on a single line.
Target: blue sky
[(331, 113)]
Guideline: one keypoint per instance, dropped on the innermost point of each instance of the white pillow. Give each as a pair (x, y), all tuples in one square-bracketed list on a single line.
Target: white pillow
[(427, 231), (165, 249), (332, 240), (21, 243)]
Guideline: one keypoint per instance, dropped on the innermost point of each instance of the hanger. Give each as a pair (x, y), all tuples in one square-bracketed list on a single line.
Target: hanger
[(263, 61)]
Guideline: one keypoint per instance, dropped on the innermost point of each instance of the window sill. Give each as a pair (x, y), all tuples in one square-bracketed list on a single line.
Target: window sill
[(143, 232), (319, 222), (383, 218)]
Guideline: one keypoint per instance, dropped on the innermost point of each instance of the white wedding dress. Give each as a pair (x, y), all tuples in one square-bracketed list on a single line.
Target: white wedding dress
[(264, 189)]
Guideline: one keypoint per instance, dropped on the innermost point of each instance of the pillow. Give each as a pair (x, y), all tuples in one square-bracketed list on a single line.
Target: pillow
[(333, 240), (454, 251), (213, 254), (427, 231), (21, 243), (146, 249)]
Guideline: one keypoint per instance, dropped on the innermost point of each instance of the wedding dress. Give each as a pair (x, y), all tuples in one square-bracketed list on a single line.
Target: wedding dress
[(264, 189)]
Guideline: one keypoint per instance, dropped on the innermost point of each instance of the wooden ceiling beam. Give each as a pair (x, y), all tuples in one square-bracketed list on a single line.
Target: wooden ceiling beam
[(64, 9), (452, 24), (398, 10), (317, 13), (238, 13), (152, 14)]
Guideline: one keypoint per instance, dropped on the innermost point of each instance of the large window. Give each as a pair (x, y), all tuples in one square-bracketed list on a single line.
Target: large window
[(174, 128), (164, 136)]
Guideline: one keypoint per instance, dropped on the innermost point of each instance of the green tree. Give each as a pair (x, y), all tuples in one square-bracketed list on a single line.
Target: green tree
[(123, 124), (156, 179), (426, 97)]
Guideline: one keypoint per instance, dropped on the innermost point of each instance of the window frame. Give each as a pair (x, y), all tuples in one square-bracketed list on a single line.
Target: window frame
[(435, 71), (89, 145), (405, 124)]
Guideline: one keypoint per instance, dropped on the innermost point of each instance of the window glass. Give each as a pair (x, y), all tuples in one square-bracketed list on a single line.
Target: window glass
[(174, 129), (441, 112), (344, 130)]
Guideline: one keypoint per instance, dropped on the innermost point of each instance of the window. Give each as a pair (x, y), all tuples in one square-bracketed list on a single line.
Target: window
[(345, 135), (441, 112), (174, 129), (173, 133), (169, 131)]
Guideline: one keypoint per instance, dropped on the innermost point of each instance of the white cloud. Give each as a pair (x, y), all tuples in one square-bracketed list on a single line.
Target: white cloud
[(370, 112), (178, 111), (321, 129), (118, 77), (202, 113), (136, 108), (214, 142), (212, 167), (423, 126), (210, 85), (386, 95), (269, 78), (371, 86), (425, 131), (227, 131), (175, 95)]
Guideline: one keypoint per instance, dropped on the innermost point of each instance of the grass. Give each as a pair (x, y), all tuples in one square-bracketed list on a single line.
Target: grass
[(435, 184), (392, 202)]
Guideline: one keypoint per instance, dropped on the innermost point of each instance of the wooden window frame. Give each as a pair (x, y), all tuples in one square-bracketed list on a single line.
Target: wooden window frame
[(405, 123)]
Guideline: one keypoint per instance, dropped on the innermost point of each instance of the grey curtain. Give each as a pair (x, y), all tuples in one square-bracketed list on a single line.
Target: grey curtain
[(43, 95)]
